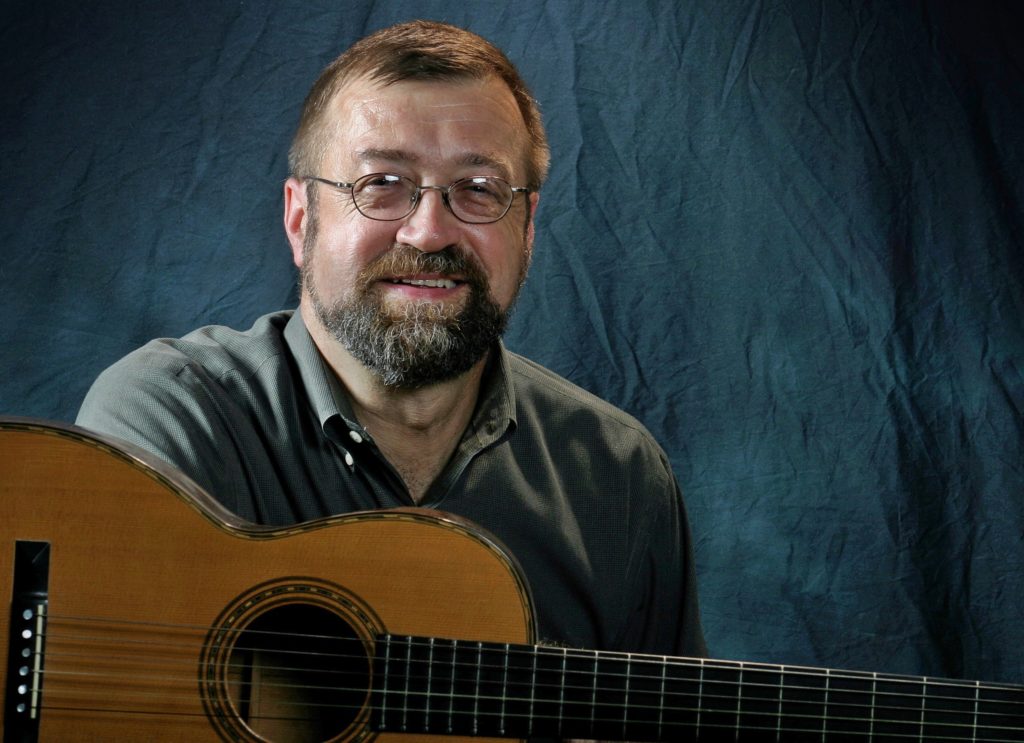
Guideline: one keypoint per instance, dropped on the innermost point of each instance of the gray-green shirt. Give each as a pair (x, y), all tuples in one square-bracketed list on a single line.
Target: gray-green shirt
[(579, 491)]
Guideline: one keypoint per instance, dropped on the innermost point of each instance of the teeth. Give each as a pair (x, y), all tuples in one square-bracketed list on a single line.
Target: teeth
[(435, 283)]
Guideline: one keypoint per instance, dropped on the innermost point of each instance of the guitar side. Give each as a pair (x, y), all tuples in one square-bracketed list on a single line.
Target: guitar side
[(142, 564)]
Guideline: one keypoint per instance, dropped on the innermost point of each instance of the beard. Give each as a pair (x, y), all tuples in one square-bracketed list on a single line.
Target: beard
[(409, 345)]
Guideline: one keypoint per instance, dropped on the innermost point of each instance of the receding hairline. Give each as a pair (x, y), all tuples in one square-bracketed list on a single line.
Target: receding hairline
[(515, 164)]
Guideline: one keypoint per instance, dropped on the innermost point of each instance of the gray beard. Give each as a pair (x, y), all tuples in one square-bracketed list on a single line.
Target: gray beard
[(418, 343)]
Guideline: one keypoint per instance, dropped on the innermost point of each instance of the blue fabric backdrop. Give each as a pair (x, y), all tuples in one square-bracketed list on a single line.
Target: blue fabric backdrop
[(786, 235)]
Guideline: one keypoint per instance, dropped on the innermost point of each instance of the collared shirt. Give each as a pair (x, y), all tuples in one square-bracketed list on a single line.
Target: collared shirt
[(578, 490)]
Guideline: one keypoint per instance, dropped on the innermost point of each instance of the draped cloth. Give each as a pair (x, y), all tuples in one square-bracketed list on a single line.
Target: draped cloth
[(785, 235)]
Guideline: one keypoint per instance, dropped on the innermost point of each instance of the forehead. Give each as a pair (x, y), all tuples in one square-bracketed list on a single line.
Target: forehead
[(427, 125)]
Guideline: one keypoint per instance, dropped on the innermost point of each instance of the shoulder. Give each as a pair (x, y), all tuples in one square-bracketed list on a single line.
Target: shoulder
[(566, 415), (193, 401), (537, 384), (214, 350), (193, 377)]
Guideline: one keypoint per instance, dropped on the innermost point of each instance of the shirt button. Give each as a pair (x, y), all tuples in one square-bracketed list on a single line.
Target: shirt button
[(354, 435), (349, 460)]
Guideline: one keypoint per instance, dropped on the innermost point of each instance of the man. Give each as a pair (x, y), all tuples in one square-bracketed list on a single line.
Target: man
[(415, 177)]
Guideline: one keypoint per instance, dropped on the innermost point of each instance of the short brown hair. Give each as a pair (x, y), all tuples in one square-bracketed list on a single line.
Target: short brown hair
[(418, 50)]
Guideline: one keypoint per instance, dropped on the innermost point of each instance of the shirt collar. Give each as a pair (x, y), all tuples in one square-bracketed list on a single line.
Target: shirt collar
[(326, 394)]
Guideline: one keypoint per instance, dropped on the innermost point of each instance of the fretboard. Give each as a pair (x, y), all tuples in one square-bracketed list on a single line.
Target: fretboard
[(448, 687)]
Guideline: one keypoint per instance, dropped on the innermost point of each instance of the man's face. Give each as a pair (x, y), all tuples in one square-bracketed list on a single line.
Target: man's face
[(421, 299)]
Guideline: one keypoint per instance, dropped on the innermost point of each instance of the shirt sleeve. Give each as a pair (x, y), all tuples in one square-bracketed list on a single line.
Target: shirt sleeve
[(157, 399), (666, 619)]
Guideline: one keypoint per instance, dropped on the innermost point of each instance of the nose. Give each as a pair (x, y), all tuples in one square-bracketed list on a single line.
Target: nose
[(431, 226)]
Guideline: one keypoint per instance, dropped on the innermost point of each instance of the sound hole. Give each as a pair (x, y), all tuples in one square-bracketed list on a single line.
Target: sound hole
[(298, 673)]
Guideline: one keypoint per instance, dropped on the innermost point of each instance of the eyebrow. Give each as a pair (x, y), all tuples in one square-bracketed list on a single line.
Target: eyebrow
[(403, 157)]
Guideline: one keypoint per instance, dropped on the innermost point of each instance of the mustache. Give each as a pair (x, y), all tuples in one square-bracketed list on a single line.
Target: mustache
[(405, 259)]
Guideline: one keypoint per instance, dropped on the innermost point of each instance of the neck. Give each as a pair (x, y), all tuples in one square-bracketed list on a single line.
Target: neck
[(416, 429), (491, 689)]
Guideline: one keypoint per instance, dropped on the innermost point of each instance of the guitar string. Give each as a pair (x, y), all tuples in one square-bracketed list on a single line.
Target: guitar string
[(841, 698), (583, 654), (591, 723), (671, 726), (521, 700), (801, 688), (654, 662), (730, 710)]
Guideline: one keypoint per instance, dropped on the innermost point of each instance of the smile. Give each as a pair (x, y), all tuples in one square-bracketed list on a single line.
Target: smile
[(433, 283)]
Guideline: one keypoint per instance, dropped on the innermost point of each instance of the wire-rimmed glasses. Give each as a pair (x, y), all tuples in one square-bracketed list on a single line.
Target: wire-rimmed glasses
[(387, 197)]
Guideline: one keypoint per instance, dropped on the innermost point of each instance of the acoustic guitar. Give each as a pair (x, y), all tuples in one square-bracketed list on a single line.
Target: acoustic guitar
[(135, 608)]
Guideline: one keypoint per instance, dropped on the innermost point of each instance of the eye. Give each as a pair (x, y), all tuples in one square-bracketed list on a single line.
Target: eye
[(379, 181), (384, 195), (481, 189)]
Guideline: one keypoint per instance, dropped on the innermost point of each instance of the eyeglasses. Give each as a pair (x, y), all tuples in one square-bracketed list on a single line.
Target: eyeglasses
[(386, 197)]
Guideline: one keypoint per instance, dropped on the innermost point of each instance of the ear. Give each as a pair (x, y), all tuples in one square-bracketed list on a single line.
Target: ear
[(295, 215), (534, 201)]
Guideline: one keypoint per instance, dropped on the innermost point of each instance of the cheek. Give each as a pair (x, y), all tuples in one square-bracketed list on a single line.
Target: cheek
[(346, 249), (504, 260)]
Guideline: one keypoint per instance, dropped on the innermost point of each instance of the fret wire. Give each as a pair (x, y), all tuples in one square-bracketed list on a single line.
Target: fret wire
[(824, 714), (476, 696), (387, 672), (533, 687), (451, 697), (974, 733), (504, 692), (625, 699), (924, 696), (700, 694), (778, 719), (661, 705), (408, 676), (430, 680), (593, 693), (874, 696), (561, 692), (739, 701)]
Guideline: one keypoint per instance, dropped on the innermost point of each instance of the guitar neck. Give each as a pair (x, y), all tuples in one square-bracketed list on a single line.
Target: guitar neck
[(429, 685)]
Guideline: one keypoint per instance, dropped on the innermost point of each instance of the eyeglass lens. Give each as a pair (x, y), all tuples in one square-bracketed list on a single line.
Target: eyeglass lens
[(475, 200)]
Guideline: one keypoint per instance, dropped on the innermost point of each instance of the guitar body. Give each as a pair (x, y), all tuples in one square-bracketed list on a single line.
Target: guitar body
[(136, 608), (151, 587)]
